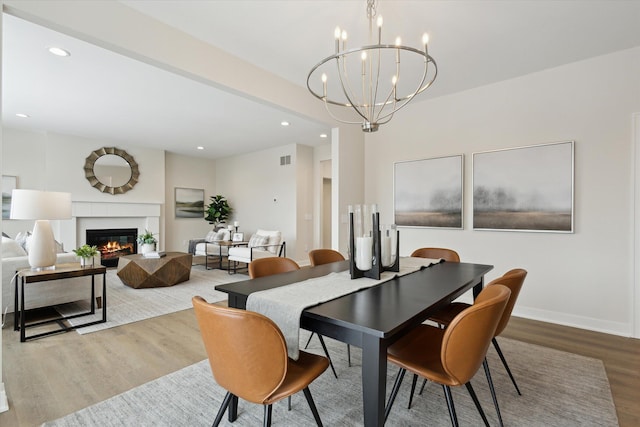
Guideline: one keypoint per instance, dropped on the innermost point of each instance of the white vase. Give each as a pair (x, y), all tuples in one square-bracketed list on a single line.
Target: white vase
[(147, 247), (86, 262)]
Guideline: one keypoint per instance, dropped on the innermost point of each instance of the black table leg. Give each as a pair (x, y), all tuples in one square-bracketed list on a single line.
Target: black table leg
[(477, 288), (23, 335), (374, 380), (104, 296)]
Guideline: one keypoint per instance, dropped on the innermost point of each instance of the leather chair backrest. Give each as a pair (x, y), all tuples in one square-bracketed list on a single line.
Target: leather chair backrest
[(448, 255), (467, 338), (324, 256), (272, 265), (512, 279), (247, 352)]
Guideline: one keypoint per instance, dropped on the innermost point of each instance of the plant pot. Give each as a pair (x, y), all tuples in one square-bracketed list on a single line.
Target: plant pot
[(147, 247), (86, 262)]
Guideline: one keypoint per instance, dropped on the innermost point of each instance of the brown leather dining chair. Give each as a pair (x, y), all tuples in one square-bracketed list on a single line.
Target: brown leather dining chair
[(449, 255), (248, 357), (324, 256), (451, 356), (320, 257), (512, 279), (262, 267)]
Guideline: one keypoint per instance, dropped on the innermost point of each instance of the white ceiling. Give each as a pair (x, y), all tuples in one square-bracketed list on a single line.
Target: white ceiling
[(99, 94)]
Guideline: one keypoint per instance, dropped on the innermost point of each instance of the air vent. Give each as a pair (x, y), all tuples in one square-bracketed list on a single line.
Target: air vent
[(285, 160)]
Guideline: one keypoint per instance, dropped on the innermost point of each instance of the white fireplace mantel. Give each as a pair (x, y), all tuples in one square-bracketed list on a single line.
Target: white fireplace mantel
[(87, 215)]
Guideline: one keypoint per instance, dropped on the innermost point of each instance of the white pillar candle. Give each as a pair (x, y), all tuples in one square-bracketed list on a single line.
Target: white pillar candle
[(364, 254), (236, 224)]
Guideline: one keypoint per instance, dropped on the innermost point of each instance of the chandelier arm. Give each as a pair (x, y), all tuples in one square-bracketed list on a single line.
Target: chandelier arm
[(334, 117), (348, 92), (408, 98)]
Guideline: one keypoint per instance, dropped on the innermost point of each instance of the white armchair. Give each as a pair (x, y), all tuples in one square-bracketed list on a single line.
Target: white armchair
[(262, 244), (211, 249)]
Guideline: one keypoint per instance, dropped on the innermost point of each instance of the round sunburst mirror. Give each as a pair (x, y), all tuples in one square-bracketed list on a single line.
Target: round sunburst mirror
[(111, 170)]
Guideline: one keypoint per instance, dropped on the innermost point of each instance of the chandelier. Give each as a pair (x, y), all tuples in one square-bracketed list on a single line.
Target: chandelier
[(368, 79)]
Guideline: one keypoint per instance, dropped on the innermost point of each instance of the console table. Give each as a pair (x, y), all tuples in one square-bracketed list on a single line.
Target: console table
[(61, 271)]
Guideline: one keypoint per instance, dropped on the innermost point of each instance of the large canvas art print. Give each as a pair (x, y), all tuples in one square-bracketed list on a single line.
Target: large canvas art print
[(524, 189), (428, 192)]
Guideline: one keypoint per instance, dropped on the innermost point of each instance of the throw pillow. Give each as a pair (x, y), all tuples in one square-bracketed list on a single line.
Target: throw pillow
[(211, 236), (5, 235), (223, 234), (11, 248), (21, 238), (258, 240)]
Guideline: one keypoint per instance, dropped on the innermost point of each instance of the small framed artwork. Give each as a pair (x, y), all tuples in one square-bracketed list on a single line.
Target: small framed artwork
[(9, 183), (524, 189), (189, 203), (428, 192), (237, 237)]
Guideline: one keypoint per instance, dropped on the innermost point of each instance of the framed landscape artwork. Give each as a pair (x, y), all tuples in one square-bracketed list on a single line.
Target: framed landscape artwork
[(189, 203), (524, 189), (8, 184), (428, 192)]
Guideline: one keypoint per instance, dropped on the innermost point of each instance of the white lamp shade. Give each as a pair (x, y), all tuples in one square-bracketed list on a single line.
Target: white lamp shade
[(35, 204), (41, 206)]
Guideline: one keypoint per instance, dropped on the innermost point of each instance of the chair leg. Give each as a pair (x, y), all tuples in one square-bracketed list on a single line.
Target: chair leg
[(492, 389), (504, 362), (414, 381), (309, 340), (424, 383), (326, 352), (289, 403), (477, 403), (223, 408), (312, 405), (267, 416), (394, 392), (349, 354), (450, 405)]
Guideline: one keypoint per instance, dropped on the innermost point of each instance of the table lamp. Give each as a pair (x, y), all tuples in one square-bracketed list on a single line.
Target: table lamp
[(41, 206)]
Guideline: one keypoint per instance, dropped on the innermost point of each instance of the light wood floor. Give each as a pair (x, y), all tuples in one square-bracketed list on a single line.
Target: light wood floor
[(51, 377)]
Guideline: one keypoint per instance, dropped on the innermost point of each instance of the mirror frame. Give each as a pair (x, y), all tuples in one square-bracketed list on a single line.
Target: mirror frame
[(89, 172)]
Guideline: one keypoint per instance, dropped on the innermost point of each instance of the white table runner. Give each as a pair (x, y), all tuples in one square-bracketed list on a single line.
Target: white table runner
[(285, 304)]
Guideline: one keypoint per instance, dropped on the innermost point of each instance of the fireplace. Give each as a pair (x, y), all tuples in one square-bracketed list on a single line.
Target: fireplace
[(113, 243)]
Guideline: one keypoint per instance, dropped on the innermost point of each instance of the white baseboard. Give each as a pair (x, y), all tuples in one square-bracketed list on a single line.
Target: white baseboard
[(4, 403), (581, 322)]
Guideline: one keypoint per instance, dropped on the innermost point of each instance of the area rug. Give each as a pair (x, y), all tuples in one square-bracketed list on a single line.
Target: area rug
[(127, 305), (558, 389)]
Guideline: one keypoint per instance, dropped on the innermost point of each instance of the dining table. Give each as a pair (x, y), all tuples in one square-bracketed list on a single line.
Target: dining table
[(372, 318)]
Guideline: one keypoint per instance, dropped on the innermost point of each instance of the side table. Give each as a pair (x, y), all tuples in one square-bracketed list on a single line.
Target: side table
[(61, 271)]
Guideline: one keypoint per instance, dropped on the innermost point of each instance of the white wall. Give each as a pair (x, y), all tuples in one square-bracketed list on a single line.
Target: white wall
[(582, 279), (54, 162), (186, 172), (262, 193)]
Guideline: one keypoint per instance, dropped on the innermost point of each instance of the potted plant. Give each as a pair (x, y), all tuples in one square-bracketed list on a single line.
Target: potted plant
[(86, 254), (218, 210), (147, 242)]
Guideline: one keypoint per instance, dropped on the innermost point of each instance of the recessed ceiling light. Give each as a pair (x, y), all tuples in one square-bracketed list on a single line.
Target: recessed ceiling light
[(58, 51), (284, 123), (22, 115), (323, 135), (200, 147)]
